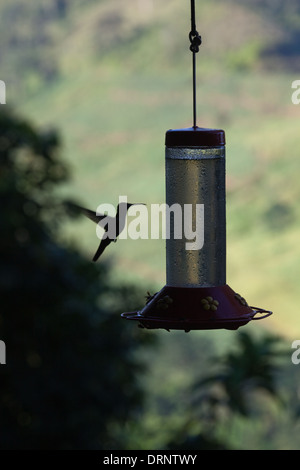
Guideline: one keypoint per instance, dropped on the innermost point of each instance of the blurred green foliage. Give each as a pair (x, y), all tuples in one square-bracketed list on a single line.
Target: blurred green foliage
[(113, 76), (71, 377), (77, 377), (238, 395), (143, 33)]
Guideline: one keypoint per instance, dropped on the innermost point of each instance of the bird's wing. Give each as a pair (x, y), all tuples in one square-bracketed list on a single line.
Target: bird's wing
[(104, 243)]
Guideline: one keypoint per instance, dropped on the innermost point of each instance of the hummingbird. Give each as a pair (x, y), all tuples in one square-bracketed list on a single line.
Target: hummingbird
[(106, 221)]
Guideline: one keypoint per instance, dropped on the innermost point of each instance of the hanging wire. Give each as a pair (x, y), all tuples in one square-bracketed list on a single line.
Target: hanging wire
[(195, 40)]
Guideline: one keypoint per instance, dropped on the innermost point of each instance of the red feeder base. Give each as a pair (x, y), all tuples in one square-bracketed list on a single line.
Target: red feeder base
[(196, 308)]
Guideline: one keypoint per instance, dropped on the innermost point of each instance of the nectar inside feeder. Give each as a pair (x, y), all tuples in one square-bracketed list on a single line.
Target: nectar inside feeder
[(196, 295)]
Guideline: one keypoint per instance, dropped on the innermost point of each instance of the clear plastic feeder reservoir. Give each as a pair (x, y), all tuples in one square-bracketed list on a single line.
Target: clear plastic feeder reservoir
[(195, 181), (196, 295)]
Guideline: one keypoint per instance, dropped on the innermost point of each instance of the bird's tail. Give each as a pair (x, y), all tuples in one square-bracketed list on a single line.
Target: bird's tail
[(76, 210)]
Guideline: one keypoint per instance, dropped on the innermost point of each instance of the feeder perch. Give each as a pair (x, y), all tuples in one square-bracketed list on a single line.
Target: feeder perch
[(196, 295)]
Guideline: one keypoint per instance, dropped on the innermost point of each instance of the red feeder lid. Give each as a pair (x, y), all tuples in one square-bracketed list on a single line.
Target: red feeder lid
[(195, 137)]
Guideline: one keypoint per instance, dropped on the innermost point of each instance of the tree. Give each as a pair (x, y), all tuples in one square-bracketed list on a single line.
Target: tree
[(70, 381), (251, 369)]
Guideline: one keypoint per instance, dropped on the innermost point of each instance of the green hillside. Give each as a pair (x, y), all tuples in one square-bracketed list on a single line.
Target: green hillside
[(114, 76)]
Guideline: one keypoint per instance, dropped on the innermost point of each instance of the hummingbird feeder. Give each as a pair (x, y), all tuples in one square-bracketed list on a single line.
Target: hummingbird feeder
[(196, 295)]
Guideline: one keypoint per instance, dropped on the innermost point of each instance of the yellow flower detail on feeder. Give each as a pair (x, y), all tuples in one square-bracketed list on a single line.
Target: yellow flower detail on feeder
[(149, 297), (241, 300), (164, 302), (210, 304)]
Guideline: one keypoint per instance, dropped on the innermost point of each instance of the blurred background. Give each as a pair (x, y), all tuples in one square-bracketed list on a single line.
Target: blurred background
[(91, 88)]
